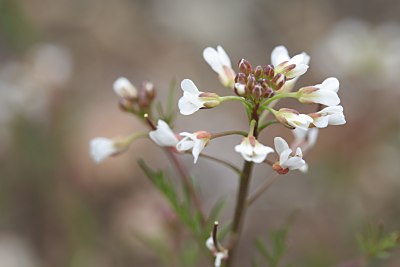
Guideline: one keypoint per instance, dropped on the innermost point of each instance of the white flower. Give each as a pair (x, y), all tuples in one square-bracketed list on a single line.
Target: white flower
[(219, 255), (286, 160), (324, 93), (194, 141), (329, 116), (101, 148), (252, 150), (305, 139), (125, 89), (163, 135), (293, 119), (192, 99), (221, 64), (291, 67)]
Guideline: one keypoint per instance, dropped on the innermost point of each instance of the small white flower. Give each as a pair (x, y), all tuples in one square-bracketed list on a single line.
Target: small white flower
[(125, 89), (291, 67), (293, 119), (101, 148), (286, 160), (219, 255), (219, 61), (163, 135), (324, 93), (194, 141), (193, 99), (305, 139), (252, 150), (329, 116)]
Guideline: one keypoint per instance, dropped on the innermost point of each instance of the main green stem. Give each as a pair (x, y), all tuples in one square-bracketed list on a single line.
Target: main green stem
[(241, 207), (240, 210)]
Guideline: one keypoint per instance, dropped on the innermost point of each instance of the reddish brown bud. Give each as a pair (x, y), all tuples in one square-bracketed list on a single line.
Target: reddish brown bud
[(257, 91), (241, 78), (149, 89), (251, 82), (245, 66), (269, 71), (279, 80), (258, 71)]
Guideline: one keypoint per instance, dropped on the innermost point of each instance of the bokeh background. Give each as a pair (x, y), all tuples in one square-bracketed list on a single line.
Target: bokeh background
[(58, 60)]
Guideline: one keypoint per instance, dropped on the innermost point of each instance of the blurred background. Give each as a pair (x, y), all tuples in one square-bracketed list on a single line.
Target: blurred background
[(58, 60)]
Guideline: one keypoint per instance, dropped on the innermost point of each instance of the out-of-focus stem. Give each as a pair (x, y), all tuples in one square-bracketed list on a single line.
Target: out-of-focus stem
[(240, 210), (223, 162), (226, 133), (186, 182), (261, 190)]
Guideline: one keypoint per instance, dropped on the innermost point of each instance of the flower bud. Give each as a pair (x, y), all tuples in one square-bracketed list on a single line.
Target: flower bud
[(257, 91), (269, 71), (125, 89), (241, 78), (279, 80), (240, 89), (245, 66), (251, 82), (149, 88), (144, 101), (292, 119), (258, 71)]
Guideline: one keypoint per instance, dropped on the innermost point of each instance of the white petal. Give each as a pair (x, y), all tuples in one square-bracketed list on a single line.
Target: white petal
[(337, 119), (312, 136), (294, 163), (299, 134), (163, 136), (284, 157), (304, 168), (299, 70), (223, 56), (324, 97), (186, 107), (321, 122), (199, 145), (331, 84), (212, 57), (101, 148), (188, 85), (280, 145), (279, 54), (124, 88)]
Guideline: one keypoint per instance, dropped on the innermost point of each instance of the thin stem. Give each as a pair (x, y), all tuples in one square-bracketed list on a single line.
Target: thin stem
[(227, 164), (265, 125), (232, 97), (214, 236), (252, 127), (280, 96), (186, 182), (240, 210), (226, 133), (261, 190)]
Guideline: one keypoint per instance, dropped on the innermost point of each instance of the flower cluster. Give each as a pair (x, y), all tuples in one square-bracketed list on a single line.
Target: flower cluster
[(259, 89)]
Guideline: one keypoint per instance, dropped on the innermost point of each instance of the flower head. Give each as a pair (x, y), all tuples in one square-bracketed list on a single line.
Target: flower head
[(293, 119), (252, 150), (125, 89), (221, 64), (194, 141), (163, 135), (329, 116), (192, 99), (101, 148), (290, 67), (287, 161), (324, 93)]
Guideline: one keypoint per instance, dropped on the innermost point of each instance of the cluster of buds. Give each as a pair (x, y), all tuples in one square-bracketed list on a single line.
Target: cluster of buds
[(132, 99), (260, 82)]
